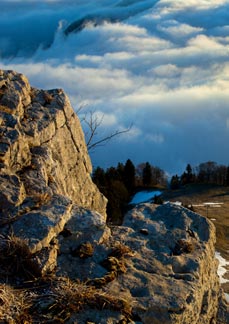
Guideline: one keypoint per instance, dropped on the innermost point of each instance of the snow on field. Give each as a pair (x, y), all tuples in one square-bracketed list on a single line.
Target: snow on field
[(221, 269), (209, 204), (227, 297), (144, 196)]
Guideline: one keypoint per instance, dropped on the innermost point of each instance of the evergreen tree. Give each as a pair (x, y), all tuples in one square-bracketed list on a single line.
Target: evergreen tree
[(99, 178), (227, 176), (175, 182), (118, 198), (189, 173), (129, 176), (187, 177), (120, 171), (147, 175)]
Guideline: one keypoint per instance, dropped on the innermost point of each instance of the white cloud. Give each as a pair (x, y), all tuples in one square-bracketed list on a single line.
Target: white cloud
[(177, 30), (178, 5)]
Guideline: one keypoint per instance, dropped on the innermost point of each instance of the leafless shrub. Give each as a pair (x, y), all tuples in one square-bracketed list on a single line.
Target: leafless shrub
[(183, 246)]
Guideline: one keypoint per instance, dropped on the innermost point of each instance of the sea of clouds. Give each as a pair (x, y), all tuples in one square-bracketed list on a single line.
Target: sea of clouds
[(161, 66)]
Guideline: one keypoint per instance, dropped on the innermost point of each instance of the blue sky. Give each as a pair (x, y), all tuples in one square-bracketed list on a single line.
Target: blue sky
[(162, 66)]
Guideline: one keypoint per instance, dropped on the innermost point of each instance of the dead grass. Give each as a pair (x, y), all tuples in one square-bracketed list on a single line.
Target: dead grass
[(183, 246), (53, 299), (75, 297), (14, 306), (15, 257), (120, 251)]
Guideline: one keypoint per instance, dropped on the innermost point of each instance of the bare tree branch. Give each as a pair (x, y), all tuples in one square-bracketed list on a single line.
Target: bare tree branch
[(104, 140), (93, 122)]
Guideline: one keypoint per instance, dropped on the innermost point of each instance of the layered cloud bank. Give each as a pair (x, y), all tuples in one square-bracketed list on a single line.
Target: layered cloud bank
[(159, 65)]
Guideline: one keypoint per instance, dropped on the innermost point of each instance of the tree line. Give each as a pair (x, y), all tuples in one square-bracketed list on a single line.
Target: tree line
[(205, 173), (120, 183)]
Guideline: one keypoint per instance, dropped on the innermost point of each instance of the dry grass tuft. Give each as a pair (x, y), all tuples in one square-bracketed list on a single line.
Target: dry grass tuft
[(14, 305), (55, 301), (65, 298), (52, 299), (120, 250), (77, 296), (15, 257), (183, 246)]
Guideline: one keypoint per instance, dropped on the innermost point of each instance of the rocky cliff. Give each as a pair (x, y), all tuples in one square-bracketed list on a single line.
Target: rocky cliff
[(59, 261), (42, 147)]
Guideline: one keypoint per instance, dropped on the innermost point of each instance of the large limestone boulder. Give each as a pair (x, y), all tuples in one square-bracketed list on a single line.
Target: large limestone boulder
[(45, 169), (42, 147), (161, 262), (172, 278)]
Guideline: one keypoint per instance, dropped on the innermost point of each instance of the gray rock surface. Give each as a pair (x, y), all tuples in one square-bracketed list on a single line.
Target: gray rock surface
[(169, 273)]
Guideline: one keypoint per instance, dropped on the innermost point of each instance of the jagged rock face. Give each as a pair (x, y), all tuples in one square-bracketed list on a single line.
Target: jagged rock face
[(173, 276), (169, 274), (42, 148)]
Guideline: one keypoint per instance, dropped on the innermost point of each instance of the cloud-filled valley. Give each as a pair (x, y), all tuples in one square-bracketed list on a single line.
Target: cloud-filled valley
[(159, 65)]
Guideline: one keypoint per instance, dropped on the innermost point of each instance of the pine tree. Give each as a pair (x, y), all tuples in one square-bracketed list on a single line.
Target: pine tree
[(227, 176), (189, 173), (147, 175), (175, 182), (129, 176), (99, 178)]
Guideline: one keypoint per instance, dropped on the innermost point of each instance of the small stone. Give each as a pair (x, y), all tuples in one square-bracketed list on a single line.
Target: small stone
[(144, 231)]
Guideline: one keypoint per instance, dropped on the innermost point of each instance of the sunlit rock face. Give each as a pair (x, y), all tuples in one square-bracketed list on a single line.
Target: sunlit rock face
[(45, 169), (161, 262), (172, 276), (42, 147)]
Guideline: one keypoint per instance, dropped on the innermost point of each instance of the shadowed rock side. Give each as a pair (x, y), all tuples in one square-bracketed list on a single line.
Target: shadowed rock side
[(158, 267)]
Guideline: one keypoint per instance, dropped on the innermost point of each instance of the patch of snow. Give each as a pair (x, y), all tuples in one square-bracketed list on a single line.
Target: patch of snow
[(209, 204), (144, 196), (221, 269), (227, 297), (177, 203), (212, 203)]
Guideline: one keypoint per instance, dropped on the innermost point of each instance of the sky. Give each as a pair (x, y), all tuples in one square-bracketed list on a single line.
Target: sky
[(160, 66)]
